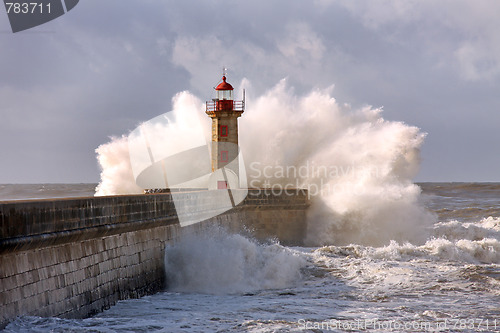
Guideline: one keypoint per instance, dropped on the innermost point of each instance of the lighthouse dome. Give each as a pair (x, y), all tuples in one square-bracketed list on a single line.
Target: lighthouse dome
[(224, 85)]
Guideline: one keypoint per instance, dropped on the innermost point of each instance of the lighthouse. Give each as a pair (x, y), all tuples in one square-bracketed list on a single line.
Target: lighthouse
[(225, 111)]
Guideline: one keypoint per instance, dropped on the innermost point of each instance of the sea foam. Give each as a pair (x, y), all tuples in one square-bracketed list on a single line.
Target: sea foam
[(217, 262)]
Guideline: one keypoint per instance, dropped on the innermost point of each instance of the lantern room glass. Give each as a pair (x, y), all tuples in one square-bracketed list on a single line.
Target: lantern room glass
[(224, 95)]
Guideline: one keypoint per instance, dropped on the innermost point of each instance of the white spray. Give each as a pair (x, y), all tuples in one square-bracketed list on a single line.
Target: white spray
[(357, 166), (216, 262)]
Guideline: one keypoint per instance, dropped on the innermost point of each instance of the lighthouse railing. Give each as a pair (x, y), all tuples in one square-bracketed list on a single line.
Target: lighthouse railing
[(213, 106)]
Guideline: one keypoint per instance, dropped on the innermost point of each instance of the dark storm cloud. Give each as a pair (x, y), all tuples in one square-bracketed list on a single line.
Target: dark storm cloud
[(108, 65), (84, 77)]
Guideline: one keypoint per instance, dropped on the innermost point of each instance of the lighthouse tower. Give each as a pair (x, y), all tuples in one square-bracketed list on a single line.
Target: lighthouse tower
[(224, 111)]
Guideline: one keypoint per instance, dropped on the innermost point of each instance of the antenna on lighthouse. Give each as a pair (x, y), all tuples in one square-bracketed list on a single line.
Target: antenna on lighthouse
[(224, 70)]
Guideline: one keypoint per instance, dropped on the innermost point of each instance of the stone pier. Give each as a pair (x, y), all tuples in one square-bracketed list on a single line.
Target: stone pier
[(75, 257)]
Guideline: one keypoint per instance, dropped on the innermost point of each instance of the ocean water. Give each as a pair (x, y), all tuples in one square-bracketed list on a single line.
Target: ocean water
[(220, 282), (9, 192)]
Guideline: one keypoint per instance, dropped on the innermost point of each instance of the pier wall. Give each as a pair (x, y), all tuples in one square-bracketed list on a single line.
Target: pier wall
[(73, 258)]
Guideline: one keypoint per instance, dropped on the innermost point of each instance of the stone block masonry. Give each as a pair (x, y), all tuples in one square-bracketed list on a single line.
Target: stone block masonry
[(81, 278), (75, 257)]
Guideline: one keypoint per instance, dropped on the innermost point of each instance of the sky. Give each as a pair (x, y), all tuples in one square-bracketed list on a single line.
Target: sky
[(98, 71)]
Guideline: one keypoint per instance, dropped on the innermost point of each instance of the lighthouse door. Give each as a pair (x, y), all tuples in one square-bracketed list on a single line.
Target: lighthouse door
[(222, 185)]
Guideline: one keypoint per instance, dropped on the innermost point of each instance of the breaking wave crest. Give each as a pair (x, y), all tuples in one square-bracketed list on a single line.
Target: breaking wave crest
[(475, 243), (217, 262)]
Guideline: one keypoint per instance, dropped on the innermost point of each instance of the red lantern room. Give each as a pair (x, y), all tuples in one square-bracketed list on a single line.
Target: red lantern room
[(224, 95), (224, 90), (224, 100)]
